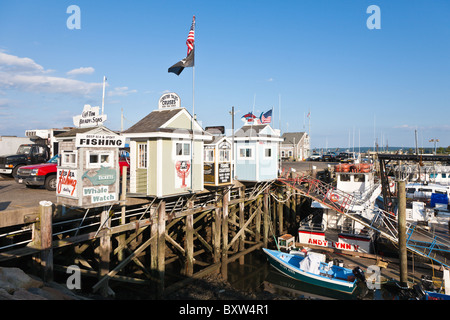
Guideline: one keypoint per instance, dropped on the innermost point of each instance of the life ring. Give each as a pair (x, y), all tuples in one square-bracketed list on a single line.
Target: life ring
[(334, 197), (392, 184)]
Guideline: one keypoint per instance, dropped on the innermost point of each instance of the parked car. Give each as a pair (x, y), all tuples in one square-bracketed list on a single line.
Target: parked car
[(329, 157), (346, 157), (44, 174), (315, 157)]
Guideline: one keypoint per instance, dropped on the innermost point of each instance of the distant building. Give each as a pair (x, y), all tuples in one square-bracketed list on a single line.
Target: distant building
[(295, 145)]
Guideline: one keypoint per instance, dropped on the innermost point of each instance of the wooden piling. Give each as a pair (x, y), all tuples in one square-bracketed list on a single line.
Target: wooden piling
[(123, 198), (402, 233), (266, 213), (189, 243), (217, 231), (224, 269), (280, 214), (46, 231), (241, 223), (161, 248), (104, 252)]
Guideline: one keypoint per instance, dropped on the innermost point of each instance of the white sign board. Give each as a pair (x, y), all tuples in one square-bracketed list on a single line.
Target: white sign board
[(90, 117), (169, 100), (98, 140), (67, 181)]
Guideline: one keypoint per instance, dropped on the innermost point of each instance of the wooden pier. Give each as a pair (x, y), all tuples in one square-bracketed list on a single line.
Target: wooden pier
[(139, 239), (160, 244)]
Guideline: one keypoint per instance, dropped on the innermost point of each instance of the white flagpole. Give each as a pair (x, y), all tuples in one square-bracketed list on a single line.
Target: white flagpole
[(193, 112), (103, 99)]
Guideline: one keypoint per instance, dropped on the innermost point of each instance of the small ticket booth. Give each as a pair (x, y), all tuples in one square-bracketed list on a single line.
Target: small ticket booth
[(217, 162), (88, 171), (166, 151), (256, 153)]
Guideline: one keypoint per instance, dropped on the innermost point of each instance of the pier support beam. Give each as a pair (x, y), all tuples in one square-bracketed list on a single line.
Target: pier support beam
[(46, 259), (224, 269), (161, 248), (402, 233), (189, 246), (105, 253), (266, 212), (280, 213), (241, 223)]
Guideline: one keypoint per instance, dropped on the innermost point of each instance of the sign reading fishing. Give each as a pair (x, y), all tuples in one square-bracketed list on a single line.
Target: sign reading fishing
[(97, 140)]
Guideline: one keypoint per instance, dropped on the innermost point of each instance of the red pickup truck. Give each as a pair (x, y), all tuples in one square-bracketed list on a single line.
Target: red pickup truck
[(44, 174)]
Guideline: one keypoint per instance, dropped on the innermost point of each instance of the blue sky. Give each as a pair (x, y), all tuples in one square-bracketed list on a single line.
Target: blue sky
[(303, 55)]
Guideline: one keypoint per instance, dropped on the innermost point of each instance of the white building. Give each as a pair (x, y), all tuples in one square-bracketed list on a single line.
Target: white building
[(295, 145)]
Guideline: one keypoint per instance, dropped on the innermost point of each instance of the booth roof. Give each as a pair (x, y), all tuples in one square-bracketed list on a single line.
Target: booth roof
[(73, 132), (253, 130), (154, 120)]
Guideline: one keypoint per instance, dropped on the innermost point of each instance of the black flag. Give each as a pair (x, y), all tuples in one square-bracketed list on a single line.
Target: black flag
[(187, 62)]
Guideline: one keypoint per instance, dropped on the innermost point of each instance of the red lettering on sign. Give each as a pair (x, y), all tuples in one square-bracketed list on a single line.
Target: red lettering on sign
[(66, 180)]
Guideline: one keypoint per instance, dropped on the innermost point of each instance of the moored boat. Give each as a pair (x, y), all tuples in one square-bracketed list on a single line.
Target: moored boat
[(313, 270)]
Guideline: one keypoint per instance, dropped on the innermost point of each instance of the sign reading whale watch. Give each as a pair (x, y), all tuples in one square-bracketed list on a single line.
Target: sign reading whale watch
[(169, 100), (98, 140), (90, 117)]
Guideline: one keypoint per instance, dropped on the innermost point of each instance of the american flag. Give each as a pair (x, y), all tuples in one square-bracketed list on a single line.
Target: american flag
[(190, 38), (266, 117)]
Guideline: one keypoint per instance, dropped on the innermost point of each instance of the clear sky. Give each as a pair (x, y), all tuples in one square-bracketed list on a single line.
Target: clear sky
[(315, 56)]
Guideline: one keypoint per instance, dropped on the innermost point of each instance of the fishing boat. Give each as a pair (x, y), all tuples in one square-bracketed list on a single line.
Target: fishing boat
[(313, 270)]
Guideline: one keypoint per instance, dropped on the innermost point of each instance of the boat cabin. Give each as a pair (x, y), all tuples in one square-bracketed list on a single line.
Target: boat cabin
[(256, 153), (166, 151), (88, 170)]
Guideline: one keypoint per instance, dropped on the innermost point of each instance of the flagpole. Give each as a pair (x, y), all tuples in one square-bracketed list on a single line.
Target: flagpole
[(193, 113), (103, 98)]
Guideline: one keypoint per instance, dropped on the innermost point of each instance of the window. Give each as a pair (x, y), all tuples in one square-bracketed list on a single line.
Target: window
[(268, 153), (290, 153), (245, 153), (69, 159), (224, 155), (183, 149), (444, 175), (142, 156), (209, 155), (345, 177), (97, 159), (359, 178), (282, 153)]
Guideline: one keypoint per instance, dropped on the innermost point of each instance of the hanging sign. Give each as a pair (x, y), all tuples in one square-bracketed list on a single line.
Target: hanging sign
[(67, 181), (169, 100), (98, 140), (90, 117)]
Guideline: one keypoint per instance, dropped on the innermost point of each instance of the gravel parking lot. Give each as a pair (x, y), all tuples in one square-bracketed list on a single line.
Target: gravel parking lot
[(17, 196)]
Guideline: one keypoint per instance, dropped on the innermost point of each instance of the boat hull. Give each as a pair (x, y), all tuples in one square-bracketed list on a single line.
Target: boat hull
[(289, 270)]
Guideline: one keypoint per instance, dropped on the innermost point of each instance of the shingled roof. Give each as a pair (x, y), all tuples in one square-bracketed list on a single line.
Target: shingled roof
[(153, 121), (292, 137)]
